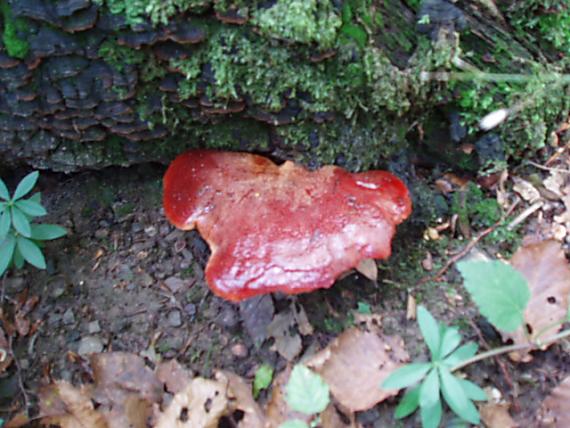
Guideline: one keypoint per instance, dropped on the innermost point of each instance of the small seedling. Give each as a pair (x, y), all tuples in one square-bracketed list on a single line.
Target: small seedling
[(502, 295), (20, 238), (307, 393), (435, 378)]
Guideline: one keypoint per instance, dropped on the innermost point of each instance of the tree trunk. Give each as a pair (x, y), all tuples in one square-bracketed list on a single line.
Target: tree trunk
[(88, 84)]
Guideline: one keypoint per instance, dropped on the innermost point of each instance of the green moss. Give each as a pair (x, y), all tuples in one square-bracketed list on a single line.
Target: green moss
[(14, 33), (158, 11), (474, 208), (303, 21), (119, 56), (550, 18)]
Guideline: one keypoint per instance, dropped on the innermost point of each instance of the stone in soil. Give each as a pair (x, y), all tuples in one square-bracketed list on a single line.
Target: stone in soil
[(94, 327), (90, 345), (174, 318), (68, 317)]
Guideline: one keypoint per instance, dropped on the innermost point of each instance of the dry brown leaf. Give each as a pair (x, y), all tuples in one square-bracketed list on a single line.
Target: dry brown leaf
[(277, 411), (287, 340), (368, 268), (356, 363), (526, 190), (305, 327), (19, 420), (5, 354), (173, 376), (555, 182), (125, 388), (241, 399), (546, 269), (495, 415), (69, 407), (555, 411), (335, 416), (201, 404)]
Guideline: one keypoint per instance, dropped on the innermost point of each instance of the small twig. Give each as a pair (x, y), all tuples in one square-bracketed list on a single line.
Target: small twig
[(499, 361), (501, 364), (19, 373), (525, 214), (548, 168), (512, 348), (468, 247)]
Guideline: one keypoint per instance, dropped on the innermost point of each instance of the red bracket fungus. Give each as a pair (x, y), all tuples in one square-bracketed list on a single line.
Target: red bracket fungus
[(281, 228)]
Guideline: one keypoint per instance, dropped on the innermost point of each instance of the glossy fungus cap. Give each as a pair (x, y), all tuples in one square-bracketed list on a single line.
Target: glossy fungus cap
[(281, 228)]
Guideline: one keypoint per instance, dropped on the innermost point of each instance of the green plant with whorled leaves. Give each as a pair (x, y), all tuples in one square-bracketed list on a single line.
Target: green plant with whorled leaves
[(502, 295), (20, 238)]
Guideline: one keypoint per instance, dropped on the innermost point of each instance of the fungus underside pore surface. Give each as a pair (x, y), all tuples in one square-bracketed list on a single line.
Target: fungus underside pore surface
[(281, 228)]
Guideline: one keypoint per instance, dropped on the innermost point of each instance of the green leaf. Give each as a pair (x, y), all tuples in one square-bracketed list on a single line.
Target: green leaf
[(406, 376), (4, 194), (33, 209), (18, 259), (263, 378), (461, 354), (355, 32), (31, 252), (21, 222), (26, 185), (5, 222), (47, 232), (7, 247), (430, 331), (500, 291), (450, 340), (363, 308), (36, 197), (456, 398), (473, 391), (408, 404), (431, 416), (3, 206), (429, 390), (294, 423), (307, 392)]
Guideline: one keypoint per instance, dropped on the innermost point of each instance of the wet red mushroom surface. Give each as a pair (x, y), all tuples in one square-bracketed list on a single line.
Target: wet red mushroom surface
[(281, 227)]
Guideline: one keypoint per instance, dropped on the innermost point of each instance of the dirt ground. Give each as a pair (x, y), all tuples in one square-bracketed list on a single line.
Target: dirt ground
[(125, 280)]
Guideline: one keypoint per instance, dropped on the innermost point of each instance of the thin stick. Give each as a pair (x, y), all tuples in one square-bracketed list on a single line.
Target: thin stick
[(525, 214), (512, 348), (501, 364), (546, 168), (19, 372)]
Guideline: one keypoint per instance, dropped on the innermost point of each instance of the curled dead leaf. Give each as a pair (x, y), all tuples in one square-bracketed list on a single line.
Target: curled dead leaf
[(554, 411), (201, 404), (368, 268), (287, 341), (5, 354), (241, 399), (356, 363), (526, 190), (173, 376), (546, 269), (69, 407), (496, 415)]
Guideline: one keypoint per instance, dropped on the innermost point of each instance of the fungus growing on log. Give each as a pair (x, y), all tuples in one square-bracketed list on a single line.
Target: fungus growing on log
[(281, 228)]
